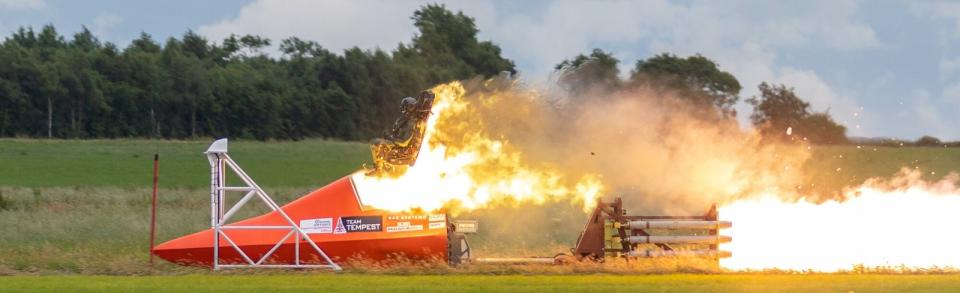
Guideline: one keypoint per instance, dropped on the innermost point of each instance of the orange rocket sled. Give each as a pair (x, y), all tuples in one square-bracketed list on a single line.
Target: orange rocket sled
[(323, 228), (334, 219)]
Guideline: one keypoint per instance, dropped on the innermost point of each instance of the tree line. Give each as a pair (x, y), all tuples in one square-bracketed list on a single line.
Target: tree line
[(778, 113), (192, 87)]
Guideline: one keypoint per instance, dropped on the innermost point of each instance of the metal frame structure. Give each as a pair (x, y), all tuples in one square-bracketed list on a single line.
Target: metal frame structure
[(629, 231), (219, 162)]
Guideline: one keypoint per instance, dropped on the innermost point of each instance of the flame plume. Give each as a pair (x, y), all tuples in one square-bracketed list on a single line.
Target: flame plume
[(667, 158), (905, 223), (461, 166)]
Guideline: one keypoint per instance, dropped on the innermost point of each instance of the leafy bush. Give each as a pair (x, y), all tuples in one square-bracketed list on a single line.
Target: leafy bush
[(927, 140)]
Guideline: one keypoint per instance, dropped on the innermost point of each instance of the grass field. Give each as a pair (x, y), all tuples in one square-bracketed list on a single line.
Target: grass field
[(129, 163), (81, 207), (833, 167), (485, 283), (313, 163)]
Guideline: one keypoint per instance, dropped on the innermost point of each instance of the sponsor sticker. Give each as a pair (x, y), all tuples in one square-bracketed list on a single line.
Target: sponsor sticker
[(404, 226), (466, 226), (437, 225), (358, 224), (317, 226), (406, 217), (438, 218), (339, 229)]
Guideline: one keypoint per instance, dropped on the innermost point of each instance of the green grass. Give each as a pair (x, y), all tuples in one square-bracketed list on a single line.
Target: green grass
[(312, 163), (483, 283), (831, 168), (129, 163), (82, 206), (102, 230)]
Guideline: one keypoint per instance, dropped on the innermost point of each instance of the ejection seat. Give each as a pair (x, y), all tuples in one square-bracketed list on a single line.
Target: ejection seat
[(392, 158)]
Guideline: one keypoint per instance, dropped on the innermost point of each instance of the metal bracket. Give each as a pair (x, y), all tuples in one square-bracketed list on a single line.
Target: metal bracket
[(219, 162)]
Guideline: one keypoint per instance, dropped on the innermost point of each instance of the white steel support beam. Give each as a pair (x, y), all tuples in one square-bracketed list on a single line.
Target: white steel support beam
[(220, 161)]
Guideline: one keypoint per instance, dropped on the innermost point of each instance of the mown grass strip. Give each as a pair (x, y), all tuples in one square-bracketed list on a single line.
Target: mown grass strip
[(129, 163), (484, 283)]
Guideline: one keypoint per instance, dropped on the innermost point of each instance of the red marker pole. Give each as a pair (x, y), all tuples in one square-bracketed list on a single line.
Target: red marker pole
[(153, 208)]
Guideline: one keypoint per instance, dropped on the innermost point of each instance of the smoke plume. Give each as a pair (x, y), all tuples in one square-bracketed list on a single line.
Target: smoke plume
[(659, 152)]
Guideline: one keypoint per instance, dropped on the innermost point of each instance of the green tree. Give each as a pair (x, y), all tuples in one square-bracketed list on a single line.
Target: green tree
[(927, 140), (819, 128), (246, 46), (696, 77), (144, 73), (778, 110), (13, 102), (53, 91), (25, 37), (190, 87), (448, 42), (587, 72), (297, 48), (84, 86), (780, 114), (49, 49), (196, 45), (24, 108)]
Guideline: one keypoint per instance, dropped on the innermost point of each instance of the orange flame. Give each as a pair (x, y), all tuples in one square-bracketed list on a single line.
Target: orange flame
[(905, 222), (468, 169)]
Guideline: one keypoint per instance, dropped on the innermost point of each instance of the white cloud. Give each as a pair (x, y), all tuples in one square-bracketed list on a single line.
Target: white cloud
[(807, 84), (822, 97), (944, 10), (743, 36), (746, 42), (929, 118), (816, 91), (22, 4), (767, 24), (336, 25), (105, 22), (948, 67), (542, 37), (937, 114), (951, 95), (923, 113)]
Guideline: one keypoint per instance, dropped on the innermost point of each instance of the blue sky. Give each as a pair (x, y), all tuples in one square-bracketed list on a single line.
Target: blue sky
[(882, 68)]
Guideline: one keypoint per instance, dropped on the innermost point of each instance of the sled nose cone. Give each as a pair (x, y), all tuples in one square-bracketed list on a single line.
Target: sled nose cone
[(193, 249)]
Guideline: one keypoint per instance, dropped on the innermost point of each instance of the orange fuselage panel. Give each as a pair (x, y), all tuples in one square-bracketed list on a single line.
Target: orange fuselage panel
[(334, 219)]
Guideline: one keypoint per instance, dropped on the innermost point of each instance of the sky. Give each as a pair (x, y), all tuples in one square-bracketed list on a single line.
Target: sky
[(882, 68)]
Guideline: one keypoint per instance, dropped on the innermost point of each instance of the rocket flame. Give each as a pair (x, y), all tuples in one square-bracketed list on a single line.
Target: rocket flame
[(460, 166), (907, 223)]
